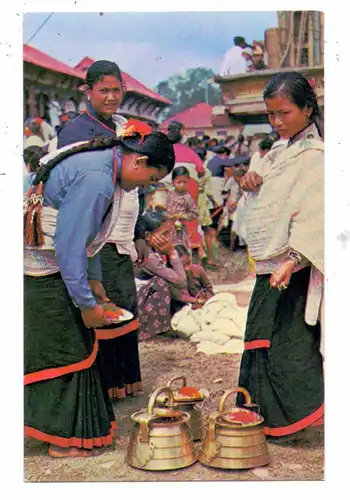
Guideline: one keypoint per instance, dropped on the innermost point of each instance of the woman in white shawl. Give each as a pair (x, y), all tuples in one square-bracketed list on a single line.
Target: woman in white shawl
[(282, 366)]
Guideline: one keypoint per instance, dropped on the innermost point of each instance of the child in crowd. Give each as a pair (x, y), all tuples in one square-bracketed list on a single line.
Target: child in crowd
[(206, 203), (180, 205)]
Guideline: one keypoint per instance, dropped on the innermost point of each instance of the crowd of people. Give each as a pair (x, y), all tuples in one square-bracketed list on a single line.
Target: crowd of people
[(114, 213)]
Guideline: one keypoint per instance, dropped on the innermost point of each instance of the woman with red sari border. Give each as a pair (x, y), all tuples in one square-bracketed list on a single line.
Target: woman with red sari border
[(70, 211), (282, 366)]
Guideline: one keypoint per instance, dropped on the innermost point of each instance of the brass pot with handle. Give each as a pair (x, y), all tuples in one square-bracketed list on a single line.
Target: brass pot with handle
[(187, 399), (235, 439), (161, 438)]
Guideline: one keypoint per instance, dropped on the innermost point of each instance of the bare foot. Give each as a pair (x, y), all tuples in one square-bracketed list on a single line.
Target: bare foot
[(72, 452)]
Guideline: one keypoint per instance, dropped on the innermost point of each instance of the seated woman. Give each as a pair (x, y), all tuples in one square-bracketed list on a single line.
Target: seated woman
[(160, 277)]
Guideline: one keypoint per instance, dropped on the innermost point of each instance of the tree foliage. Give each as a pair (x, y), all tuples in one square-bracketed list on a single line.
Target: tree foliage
[(189, 88)]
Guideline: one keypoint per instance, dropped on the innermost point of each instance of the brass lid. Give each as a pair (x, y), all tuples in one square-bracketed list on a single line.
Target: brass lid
[(167, 412), (240, 417), (142, 416), (237, 416), (178, 399), (181, 398)]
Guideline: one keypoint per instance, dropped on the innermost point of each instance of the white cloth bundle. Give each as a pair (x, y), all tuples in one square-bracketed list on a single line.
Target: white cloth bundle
[(220, 323)]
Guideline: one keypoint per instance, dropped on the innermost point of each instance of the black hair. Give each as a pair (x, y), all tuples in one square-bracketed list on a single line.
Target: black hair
[(153, 219), (174, 131), (99, 69), (239, 41), (201, 152), (32, 155), (180, 171), (298, 90), (266, 144), (156, 146), (193, 142)]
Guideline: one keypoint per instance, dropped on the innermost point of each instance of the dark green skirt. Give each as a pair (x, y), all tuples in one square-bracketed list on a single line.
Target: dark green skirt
[(119, 345), (281, 366), (65, 402)]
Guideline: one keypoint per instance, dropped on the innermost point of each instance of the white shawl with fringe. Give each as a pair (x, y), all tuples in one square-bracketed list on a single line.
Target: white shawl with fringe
[(288, 210)]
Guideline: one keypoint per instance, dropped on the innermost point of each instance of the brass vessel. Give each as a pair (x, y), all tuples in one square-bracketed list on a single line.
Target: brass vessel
[(161, 439), (233, 444), (190, 406)]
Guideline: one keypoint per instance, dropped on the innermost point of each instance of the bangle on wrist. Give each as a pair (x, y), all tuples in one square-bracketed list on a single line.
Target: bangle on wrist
[(295, 257)]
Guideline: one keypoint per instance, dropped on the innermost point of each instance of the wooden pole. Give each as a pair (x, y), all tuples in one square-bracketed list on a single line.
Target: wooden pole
[(272, 47), (302, 26), (292, 46), (310, 39), (33, 111), (282, 29), (321, 38)]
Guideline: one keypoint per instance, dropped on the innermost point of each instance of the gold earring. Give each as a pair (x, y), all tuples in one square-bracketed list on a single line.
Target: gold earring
[(141, 159)]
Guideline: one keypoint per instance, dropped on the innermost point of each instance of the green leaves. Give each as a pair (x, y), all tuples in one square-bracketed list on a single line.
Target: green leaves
[(189, 88)]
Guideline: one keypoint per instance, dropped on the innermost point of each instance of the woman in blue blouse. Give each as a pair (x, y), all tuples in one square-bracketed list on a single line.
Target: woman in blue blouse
[(66, 403), (118, 343)]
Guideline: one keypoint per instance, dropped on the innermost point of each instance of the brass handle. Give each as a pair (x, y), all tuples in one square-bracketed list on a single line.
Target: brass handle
[(181, 377), (248, 399), (156, 393), (211, 426)]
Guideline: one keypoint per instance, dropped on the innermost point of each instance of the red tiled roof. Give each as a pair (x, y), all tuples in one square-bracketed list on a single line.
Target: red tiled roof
[(132, 85), (198, 116), (34, 56)]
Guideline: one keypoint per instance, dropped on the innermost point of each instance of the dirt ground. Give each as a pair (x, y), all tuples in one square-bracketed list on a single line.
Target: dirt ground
[(161, 359)]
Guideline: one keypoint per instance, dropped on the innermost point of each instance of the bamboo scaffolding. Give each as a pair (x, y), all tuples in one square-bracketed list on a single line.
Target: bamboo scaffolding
[(289, 43), (310, 39), (302, 26), (321, 38)]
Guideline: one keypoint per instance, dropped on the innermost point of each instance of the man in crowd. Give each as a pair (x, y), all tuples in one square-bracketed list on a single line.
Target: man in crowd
[(234, 62)]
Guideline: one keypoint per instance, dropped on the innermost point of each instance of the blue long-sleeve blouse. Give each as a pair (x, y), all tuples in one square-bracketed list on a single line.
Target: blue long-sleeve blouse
[(81, 188)]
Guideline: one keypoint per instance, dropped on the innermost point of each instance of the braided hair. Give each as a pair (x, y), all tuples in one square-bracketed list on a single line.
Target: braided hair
[(298, 90), (97, 143), (155, 145)]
